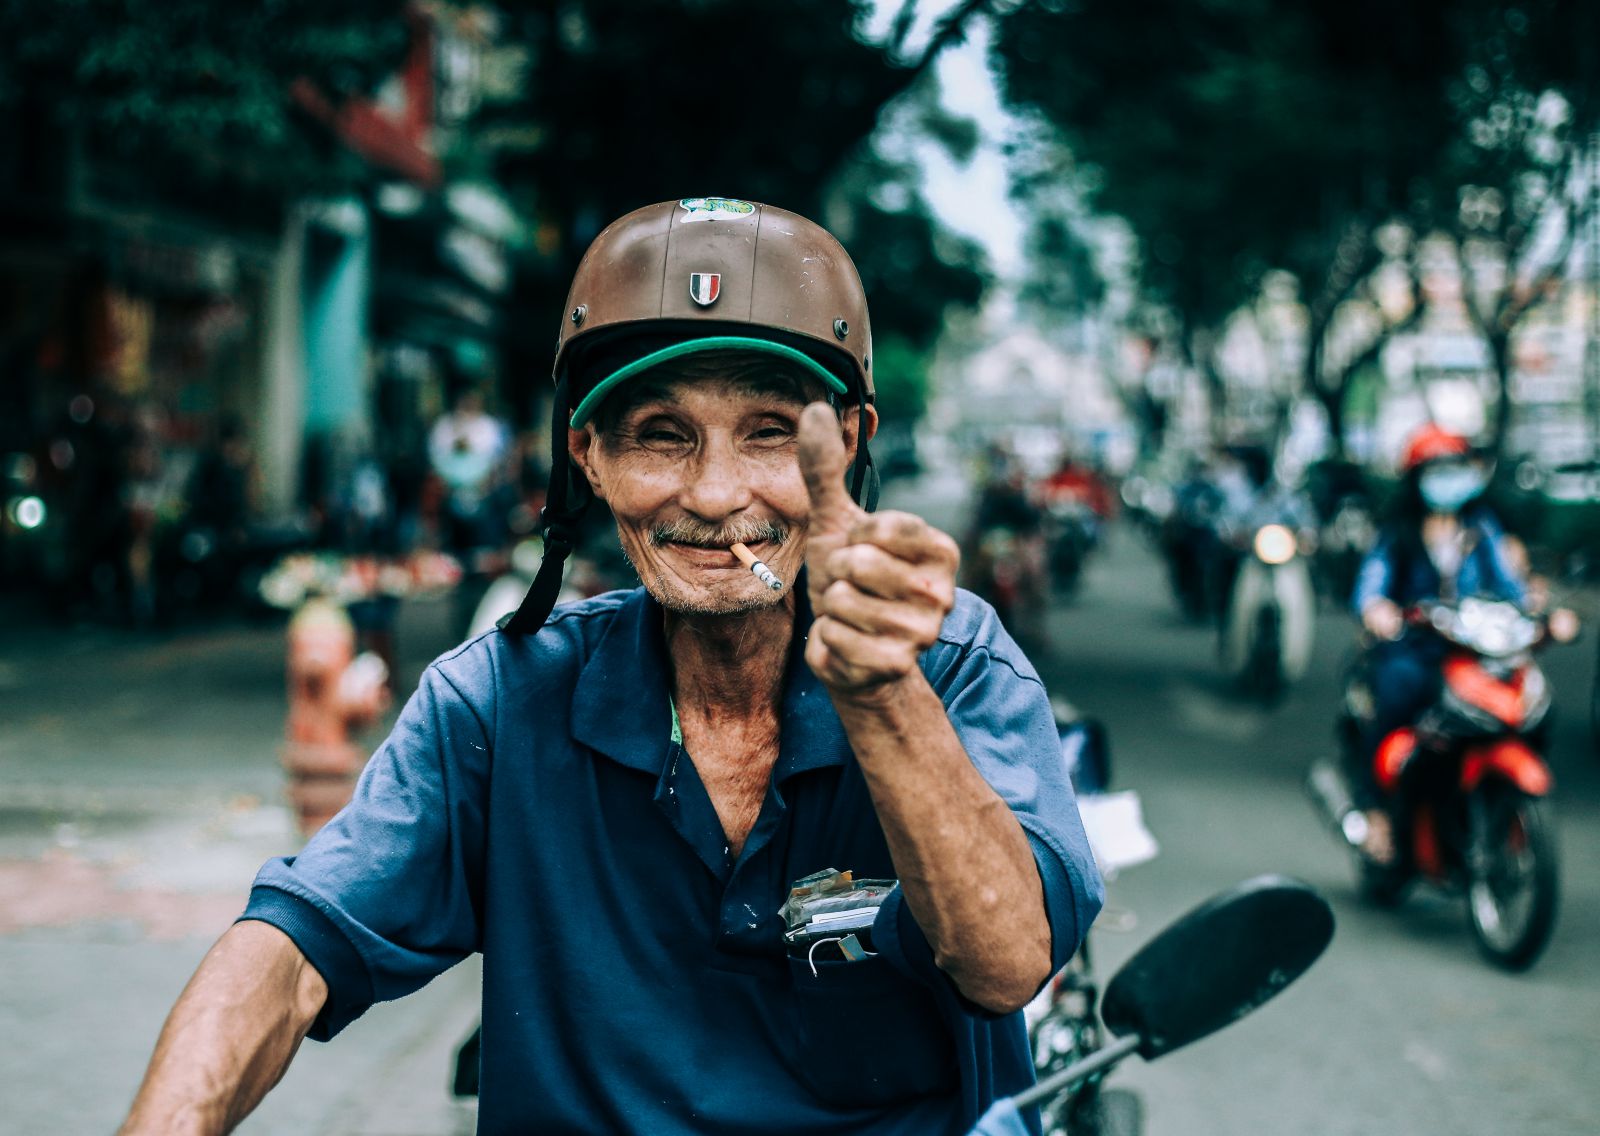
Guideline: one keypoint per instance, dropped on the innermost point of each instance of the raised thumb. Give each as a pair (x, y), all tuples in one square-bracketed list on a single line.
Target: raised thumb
[(823, 458)]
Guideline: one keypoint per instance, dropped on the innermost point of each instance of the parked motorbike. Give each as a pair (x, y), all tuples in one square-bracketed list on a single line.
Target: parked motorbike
[(1268, 622), (1209, 969), (1468, 782), (1064, 1020)]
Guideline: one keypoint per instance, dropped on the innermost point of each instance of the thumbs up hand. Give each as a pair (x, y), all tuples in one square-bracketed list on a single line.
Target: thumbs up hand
[(880, 584)]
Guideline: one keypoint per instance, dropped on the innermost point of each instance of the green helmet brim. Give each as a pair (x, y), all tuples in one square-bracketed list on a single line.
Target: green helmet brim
[(590, 402)]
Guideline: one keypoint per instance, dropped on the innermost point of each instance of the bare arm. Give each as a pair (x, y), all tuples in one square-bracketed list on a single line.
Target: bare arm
[(230, 1037), (964, 862), (881, 586)]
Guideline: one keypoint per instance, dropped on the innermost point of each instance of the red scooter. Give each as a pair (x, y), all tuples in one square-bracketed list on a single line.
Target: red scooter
[(1467, 784)]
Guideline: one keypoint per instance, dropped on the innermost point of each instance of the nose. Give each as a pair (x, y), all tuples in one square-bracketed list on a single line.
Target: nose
[(718, 485)]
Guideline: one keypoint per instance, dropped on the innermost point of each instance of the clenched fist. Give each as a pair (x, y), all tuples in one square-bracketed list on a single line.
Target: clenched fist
[(880, 584)]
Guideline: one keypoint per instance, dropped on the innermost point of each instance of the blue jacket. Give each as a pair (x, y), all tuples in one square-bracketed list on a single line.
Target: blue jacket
[(1484, 569), (532, 805)]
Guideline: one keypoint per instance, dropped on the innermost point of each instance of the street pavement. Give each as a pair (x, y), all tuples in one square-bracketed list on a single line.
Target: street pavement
[(139, 791)]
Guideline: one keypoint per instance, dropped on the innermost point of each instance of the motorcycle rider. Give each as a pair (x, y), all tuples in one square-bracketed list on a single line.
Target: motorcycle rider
[(1250, 497), (1442, 542), (1005, 505), (612, 802)]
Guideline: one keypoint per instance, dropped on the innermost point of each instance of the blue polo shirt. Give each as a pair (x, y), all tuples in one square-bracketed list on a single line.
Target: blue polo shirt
[(531, 804)]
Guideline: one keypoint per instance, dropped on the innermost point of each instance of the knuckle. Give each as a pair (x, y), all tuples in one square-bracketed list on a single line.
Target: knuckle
[(909, 526), (839, 561), (840, 591)]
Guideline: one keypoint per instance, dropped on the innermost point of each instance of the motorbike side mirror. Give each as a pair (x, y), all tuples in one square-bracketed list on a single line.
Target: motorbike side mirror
[(1213, 966), (1217, 963)]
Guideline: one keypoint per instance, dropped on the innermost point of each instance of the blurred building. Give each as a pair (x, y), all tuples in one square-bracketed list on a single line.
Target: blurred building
[(134, 311), (1044, 397)]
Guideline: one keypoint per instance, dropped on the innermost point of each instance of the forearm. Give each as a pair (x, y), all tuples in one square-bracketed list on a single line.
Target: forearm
[(231, 1036), (964, 861)]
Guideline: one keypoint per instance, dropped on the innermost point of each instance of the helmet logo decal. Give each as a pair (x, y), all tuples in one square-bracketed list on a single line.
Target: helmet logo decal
[(705, 287), (715, 209)]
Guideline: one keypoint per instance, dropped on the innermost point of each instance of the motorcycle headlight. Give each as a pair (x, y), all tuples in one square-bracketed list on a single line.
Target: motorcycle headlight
[(1275, 544), (27, 512)]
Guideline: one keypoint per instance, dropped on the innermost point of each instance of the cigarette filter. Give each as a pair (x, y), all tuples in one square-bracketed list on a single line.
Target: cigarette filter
[(757, 569)]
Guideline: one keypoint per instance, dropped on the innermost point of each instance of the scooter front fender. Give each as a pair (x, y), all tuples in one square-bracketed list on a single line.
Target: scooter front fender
[(1511, 758)]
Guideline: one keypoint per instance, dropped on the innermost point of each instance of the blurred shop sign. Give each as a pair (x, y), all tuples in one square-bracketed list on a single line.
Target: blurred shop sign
[(179, 268)]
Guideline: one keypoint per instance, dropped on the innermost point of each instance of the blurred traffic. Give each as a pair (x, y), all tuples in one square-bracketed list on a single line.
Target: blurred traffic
[(1254, 365)]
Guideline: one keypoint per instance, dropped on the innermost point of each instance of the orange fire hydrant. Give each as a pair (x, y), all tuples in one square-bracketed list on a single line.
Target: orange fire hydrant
[(333, 692)]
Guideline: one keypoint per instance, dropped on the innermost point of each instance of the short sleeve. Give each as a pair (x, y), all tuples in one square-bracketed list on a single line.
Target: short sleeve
[(388, 895)]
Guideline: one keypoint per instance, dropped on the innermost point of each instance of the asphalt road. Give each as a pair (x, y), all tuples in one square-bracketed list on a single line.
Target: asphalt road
[(138, 794), (1401, 1028)]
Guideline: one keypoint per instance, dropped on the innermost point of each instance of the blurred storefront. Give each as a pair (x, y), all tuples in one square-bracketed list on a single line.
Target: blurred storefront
[(142, 323)]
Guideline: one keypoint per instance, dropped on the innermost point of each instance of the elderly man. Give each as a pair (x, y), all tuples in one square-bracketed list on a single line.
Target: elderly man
[(613, 805)]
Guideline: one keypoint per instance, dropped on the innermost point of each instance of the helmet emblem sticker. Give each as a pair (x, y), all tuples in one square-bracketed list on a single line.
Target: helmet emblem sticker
[(705, 287), (715, 209)]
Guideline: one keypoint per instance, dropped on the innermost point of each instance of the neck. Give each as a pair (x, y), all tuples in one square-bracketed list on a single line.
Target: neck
[(729, 664)]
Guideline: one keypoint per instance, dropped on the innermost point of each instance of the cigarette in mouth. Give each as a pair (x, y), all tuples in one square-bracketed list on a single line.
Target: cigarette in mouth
[(758, 569)]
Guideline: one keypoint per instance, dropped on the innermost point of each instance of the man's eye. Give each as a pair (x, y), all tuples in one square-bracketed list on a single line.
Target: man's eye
[(772, 433), (661, 434)]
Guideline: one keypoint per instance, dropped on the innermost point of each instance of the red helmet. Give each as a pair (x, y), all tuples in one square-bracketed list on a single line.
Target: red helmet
[(1431, 442)]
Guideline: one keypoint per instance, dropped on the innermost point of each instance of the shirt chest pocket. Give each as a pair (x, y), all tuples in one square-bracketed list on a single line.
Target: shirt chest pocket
[(868, 1035)]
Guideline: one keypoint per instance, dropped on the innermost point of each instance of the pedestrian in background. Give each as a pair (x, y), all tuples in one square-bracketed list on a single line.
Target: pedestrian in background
[(467, 448)]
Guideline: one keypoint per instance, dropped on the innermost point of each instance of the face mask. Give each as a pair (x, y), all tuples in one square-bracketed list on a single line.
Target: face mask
[(1448, 488)]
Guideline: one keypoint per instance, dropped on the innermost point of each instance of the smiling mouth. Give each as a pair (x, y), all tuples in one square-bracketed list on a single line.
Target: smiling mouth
[(718, 556)]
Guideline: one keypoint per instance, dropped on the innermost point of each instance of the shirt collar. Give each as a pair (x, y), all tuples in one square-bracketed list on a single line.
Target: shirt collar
[(620, 702)]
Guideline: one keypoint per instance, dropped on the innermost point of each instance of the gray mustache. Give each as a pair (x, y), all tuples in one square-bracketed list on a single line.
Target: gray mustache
[(686, 530)]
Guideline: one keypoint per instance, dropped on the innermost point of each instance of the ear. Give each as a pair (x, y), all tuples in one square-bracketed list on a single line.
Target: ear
[(850, 421), (580, 445)]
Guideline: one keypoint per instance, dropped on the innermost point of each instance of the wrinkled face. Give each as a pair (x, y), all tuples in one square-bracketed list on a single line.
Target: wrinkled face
[(693, 466)]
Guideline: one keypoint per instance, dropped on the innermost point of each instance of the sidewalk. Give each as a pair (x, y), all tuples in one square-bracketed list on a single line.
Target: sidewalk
[(139, 792)]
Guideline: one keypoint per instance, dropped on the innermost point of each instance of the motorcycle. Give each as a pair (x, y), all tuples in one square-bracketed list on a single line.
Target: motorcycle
[(1213, 966), (1072, 530), (1268, 620), (1188, 538), (1468, 781), (1064, 1021), (1004, 569), (1343, 543)]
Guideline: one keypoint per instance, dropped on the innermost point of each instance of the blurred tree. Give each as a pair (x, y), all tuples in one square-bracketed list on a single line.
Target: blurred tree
[(1250, 134), (913, 269), (1527, 105), (192, 93), (1327, 138), (1061, 275), (775, 100)]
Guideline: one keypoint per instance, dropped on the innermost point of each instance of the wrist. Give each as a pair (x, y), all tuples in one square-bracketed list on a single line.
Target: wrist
[(878, 698)]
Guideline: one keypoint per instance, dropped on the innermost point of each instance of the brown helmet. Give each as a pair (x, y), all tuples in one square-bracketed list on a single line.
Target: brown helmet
[(681, 277), (710, 273)]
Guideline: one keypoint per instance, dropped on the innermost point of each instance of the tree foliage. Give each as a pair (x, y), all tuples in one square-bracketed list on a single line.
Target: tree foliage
[(1259, 134), (774, 100), (1528, 104), (190, 89)]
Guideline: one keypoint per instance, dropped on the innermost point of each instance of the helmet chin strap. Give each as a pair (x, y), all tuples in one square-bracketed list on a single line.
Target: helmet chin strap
[(565, 503), (568, 499), (864, 483)]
